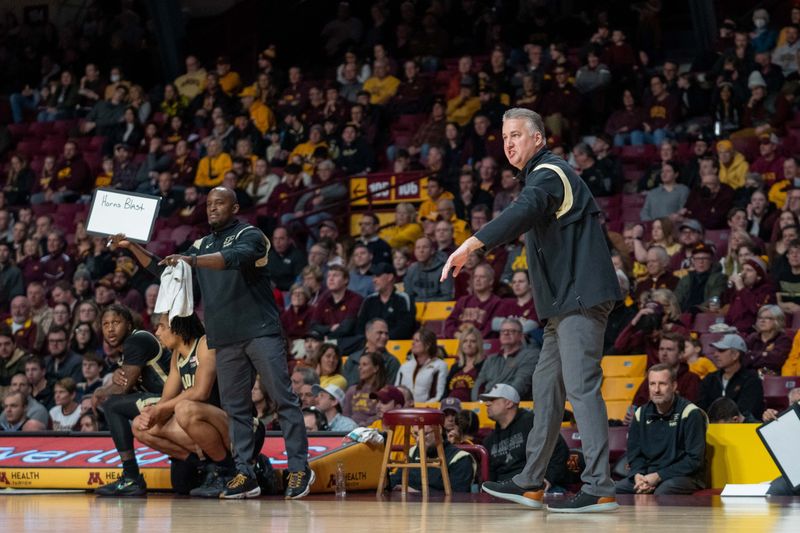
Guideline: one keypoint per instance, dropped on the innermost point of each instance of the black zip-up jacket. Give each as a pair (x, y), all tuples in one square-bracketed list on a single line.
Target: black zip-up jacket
[(238, 301), (673, 444), (399, 312), (568, 258), (744, 388), (284, 268)]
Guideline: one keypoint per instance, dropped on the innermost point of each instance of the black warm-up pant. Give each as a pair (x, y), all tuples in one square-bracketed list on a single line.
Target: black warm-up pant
[(120, 410)]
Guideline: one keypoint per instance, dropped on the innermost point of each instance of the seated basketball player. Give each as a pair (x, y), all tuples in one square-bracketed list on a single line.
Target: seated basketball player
[(188, 420), (137, 383)]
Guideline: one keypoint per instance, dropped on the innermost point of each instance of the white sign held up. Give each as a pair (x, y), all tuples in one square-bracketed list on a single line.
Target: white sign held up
[(115, 211)]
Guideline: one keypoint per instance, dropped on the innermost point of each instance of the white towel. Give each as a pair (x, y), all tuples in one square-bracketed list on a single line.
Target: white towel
[(175, 295)]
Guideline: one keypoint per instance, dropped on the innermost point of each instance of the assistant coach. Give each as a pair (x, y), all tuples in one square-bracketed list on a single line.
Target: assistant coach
[(575, 288), (242, 324)]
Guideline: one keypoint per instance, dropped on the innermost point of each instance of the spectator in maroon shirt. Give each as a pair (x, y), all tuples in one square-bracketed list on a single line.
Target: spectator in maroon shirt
[(184, 165), (769, 346), (54, 182), (296, 319), (757, 116), (413, 92), (462, 376), (482, 141), (293, 96), (751, 288), (193, 209), (661, 111), (627, 123), (520, 306), (314, 112), (285, 195), (56, 265), (561, 106), (335, 314), (126, 295), (476, 309), (670, 348), (29, 261), (430, 132), (658, 274), (21, 324), (769, 164), (620, 56), (710, 204)]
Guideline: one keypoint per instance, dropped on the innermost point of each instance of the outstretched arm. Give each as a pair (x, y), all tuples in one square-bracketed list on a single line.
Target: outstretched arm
[(120, 240)]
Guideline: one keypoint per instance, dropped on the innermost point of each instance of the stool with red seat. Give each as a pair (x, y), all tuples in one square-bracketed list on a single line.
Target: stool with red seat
[(419, 418)]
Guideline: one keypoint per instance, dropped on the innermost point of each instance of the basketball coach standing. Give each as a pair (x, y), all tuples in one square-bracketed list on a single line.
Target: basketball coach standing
[(242, 324), (574, 289)]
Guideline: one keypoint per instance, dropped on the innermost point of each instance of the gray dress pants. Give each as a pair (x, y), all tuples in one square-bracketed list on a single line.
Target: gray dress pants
[(569, 369)]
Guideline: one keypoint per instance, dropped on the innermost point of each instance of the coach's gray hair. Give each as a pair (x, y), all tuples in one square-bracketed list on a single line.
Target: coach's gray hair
[(533, 120)]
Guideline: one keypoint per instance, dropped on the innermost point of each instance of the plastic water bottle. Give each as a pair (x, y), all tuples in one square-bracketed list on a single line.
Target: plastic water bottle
[(341, 480)]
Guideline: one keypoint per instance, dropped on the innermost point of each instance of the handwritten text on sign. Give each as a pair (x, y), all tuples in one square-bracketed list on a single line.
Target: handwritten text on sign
[(116, 211)]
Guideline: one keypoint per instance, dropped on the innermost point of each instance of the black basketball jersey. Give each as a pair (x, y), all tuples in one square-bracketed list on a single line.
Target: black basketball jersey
[(187, 366), (142, 349)]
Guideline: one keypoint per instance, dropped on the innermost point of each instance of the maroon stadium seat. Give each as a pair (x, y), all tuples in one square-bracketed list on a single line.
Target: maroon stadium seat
[(481, 455), (29, 148), (719, 238), (180, 234), (51, 146), (436, 326), (39, 129), (748, 146), (160, 248), (617, 442), (491, 346), (571, 436), (632, 201), (64, 127), (97, 142), (36, 164), (43, 209), (776, 390), (703, 320), (18, 131), (706, 339)]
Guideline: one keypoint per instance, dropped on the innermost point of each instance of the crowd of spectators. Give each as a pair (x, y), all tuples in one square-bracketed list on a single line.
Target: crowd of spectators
[(694, 167)]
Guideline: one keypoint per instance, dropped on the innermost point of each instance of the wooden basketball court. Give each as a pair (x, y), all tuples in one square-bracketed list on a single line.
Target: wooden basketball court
[(468, 513)]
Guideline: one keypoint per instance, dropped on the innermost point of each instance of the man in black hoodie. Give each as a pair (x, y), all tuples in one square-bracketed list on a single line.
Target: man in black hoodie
[(506, 444)]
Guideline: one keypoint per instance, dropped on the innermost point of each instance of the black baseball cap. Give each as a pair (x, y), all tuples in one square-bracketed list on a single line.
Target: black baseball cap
[(381, 268)]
